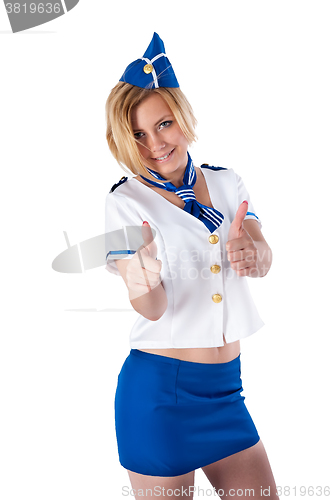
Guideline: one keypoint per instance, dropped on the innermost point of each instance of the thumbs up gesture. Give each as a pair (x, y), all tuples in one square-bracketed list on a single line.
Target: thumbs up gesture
[(241, 249), (143, 271)]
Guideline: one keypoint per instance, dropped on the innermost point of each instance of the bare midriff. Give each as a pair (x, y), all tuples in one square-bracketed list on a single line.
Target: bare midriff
[(221, 354)]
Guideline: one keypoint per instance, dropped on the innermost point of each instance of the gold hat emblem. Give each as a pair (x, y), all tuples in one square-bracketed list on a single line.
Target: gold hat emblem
[(148, 68)]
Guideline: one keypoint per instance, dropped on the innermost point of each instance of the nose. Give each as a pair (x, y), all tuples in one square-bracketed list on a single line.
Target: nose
[(156, 143)]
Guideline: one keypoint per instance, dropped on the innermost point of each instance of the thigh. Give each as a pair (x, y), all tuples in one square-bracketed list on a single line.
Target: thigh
[(152, 486), (247, 470)]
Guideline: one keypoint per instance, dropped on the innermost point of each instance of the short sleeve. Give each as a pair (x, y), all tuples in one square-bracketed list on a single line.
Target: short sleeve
[(123, 233), (243, 195)]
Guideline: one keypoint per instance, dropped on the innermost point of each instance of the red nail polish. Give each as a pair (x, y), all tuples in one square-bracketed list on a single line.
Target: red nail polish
[(145, 222), (245, 201)]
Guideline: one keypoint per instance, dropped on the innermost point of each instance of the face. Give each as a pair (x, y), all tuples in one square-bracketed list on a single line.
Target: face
[(162, 143)]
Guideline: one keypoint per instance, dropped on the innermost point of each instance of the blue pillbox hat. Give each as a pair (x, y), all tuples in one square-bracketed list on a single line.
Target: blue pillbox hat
[(153, 70)]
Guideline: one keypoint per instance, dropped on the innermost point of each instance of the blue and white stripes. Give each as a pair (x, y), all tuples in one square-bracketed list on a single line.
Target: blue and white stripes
[(252, 213), (211, 217)]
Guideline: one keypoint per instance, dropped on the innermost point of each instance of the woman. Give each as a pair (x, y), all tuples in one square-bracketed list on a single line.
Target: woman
[(183, 238)]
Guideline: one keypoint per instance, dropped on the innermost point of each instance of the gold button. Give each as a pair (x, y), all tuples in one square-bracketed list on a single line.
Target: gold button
[(213, 239), (217, 297), (148, 68), (215, 269)]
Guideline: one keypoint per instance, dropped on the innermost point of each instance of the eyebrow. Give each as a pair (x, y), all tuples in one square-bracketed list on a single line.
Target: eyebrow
[(162, 119), (159, 121)]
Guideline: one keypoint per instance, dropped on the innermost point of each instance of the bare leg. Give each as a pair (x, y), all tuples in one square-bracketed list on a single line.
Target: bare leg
[(152, 486), (247, 470)]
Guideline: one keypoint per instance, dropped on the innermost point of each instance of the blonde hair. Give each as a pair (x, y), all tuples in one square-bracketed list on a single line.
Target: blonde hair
[(119, 133)]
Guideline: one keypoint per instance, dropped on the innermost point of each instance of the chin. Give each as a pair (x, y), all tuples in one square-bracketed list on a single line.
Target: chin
[(168, 168)]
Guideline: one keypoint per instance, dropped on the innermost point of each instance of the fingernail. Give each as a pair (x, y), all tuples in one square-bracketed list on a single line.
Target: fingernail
[(145, 222), (245, 201)]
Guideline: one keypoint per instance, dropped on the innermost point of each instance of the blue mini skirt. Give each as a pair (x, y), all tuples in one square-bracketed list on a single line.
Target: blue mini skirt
[(174, 416)]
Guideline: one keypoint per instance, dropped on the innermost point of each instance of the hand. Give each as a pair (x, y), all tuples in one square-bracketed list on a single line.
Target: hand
[(143, 271), (241, 249)]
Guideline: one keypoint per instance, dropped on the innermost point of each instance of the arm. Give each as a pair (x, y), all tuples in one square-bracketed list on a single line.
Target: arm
[(149, 303), (142, 276), (264, 252), (247, 249)]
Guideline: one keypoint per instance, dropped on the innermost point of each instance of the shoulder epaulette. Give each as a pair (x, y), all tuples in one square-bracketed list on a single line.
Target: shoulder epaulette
[(121, 181), (206, 165)]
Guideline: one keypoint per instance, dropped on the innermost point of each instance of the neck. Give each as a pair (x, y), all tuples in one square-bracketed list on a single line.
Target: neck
[(176, 178)]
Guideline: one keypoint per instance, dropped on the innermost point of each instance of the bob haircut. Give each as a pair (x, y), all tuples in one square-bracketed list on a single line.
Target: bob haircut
[(119, 133)]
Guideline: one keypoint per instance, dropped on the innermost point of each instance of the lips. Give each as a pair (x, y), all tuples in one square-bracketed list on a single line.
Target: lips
[(164, 157)]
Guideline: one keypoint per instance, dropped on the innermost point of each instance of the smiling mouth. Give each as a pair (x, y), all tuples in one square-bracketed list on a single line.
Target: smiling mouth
[(161, 158)]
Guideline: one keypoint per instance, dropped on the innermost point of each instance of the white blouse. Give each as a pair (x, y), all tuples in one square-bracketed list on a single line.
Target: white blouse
[(204, 302)]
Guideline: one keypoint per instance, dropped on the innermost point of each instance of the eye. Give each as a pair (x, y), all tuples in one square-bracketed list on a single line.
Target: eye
[(165, 124), (138, 135)]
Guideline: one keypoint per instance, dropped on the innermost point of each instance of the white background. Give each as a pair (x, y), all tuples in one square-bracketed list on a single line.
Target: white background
[(258, 75)]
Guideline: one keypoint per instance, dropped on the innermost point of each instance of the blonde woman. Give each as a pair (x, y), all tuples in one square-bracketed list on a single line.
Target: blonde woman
[(184, 239)]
